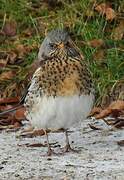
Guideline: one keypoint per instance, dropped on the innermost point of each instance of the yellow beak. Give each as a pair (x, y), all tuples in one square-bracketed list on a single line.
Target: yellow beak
[(61, 45)]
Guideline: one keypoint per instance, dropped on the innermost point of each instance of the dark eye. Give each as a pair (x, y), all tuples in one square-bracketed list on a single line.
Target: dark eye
[(67, 44), (52, 45)]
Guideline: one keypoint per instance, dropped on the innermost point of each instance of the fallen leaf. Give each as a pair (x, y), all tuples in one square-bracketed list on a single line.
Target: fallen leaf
[(110, 14), (7, 75), (33, 145), (105, 9), (119, 105), (10, 28), (33, 133), (19, 114), (101, 8), (95, 43), (95, 110), (9, 100), (104, 113), (113, 109), (37, 145), (20, 50)]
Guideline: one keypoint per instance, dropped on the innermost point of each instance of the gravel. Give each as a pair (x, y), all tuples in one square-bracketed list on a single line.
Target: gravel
[(100, 157)]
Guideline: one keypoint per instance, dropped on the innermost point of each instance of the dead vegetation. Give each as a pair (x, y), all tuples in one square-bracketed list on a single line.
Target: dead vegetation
[(98, 29)]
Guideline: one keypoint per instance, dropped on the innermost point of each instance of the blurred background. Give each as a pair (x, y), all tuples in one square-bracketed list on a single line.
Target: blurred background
[(96, 26)]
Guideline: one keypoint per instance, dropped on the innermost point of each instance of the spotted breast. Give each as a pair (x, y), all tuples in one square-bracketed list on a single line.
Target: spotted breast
[(61, 94)]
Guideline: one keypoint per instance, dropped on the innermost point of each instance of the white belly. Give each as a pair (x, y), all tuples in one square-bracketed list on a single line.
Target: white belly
[(59, 112)]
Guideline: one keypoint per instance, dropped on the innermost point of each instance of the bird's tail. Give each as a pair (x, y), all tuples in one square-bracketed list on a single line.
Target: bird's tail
[(18, 106)]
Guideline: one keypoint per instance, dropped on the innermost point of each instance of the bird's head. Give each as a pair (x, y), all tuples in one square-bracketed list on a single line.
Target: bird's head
[(57, 43)]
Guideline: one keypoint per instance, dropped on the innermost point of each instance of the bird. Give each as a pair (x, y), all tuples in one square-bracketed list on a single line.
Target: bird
[(61, 91)]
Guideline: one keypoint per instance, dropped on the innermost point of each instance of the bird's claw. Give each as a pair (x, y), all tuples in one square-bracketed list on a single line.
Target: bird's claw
[(68, 148)]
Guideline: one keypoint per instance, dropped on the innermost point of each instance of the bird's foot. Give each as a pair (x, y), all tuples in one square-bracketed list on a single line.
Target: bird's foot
[(51, 152), (68, 148)]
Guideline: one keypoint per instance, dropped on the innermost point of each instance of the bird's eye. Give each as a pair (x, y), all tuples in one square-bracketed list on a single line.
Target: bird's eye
[(52, 45), (67, 44)]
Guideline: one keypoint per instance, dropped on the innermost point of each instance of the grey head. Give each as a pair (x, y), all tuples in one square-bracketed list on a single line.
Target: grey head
[(57, 43)]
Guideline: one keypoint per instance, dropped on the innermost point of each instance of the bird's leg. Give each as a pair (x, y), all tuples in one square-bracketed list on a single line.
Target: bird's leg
[(67, 147), (50, 151)]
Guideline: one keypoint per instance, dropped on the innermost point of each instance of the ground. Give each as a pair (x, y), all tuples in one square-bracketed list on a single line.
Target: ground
[(96, 26), (100, 157)]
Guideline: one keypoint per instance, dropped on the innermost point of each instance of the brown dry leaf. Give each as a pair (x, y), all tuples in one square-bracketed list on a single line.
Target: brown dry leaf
[(104, 113), (38, 132), (101, 8), (95, 43), (110, 14), (114, 109), (7, 75), (118, 32), (20, 50), (95, 110), (37, 145), (33, 133), (119, 105), (10, 28), (105, 9), (19, 114), (33, 145), (9, 100)]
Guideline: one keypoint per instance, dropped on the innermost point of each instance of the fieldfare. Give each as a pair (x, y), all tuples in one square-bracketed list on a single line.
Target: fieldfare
[(61, 91)]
